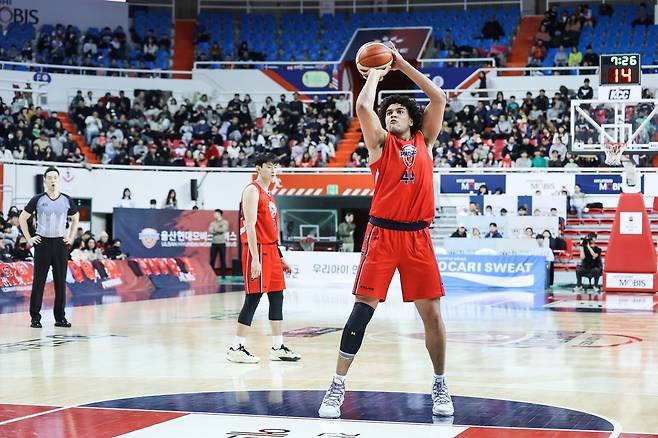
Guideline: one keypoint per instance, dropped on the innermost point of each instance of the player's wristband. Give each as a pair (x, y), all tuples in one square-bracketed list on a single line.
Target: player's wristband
[(279, 249)]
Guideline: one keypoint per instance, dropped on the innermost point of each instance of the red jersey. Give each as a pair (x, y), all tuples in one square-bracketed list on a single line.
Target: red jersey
[(404, 186), (267, 219)]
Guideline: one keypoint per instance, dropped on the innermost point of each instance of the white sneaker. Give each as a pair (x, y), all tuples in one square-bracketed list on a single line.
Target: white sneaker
[(284, 353), (578, 289), (241, 355), (333, 400), (441, 400)]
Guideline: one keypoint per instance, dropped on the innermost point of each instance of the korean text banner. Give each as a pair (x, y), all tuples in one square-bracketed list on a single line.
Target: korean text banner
[(461, 272), (171, 233)]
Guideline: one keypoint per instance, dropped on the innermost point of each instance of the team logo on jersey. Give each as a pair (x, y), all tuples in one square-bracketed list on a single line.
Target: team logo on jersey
[(408, 155), (272, 208), (149, 237)]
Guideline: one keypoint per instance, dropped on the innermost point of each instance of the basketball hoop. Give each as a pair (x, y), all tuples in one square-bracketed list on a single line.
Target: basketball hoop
[(613, 152), (307, 243)]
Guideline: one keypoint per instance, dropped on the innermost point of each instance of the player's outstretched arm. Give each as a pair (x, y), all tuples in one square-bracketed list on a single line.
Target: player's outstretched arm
[(433, 115), (373, 133)]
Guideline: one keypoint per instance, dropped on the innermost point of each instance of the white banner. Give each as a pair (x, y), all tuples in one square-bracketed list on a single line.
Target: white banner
[(498, 202), (544, 203), (83, 13), (628, 281), (546, 183), (651, 184)]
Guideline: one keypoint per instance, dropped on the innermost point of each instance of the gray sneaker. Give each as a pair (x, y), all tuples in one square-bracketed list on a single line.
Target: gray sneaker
[(441, 400), (333, 400)]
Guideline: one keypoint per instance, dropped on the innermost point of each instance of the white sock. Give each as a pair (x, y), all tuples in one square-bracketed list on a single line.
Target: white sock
[(277, 342), (439, 377), (237, 341), (341, 379)]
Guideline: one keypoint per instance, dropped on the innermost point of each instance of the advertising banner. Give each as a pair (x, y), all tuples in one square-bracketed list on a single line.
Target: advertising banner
[(546, 183), (171, 233), (410, 41), (461, 272), (95, 282), (601, 184), (84, 13), (469, 184)]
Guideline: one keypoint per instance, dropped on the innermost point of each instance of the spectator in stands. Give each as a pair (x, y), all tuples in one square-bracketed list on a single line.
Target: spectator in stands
[(171, 201), (561, 58), (346, 233), (575, 57), (590, 264), (483, 190), (543, 249), (578, 201), (20, 253), (590, 59), (126, 199), (93, 252), (493, 231), (5, 253), (492, 30), (522, 211), (527, 233), (79, 251), (643, 16), (543, 35), (475, 234), (473, 209), (488, 210), (114, 251), (539, 160), (523, 160), (585, 91), (11, 229), (460, 232)]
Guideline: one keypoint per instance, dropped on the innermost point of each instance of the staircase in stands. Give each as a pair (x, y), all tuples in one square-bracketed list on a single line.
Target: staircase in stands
[(70, 127), (347, 144), (523, 42)]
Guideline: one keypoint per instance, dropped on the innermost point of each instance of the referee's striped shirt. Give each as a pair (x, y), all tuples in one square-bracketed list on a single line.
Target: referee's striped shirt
[(51, 213)]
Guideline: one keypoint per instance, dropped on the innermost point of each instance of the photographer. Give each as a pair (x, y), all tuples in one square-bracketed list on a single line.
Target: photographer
[(590, 263)]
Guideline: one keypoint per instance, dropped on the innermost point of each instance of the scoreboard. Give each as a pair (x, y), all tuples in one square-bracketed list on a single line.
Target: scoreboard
[(620, 77)]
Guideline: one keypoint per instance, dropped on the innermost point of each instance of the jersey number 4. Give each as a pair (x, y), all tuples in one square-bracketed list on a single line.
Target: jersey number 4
[(408, 177)]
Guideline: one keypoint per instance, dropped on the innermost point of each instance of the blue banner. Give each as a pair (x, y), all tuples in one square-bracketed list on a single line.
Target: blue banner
[(493, 272), (470, 184), (602, 184), (448, 78)]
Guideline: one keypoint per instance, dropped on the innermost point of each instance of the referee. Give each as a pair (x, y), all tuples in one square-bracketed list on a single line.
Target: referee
[(50, 244)]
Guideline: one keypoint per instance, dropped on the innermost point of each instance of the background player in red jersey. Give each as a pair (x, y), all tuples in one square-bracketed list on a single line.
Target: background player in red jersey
[(397, 236), (262, 263)]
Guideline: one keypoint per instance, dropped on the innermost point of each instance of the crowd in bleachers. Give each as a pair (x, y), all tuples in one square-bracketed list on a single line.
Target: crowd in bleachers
[(32, 133), (574, 36), (146, 46), (14, 246), (154, 128)]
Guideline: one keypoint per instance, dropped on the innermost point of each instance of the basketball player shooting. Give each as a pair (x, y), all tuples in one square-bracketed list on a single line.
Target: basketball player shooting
[(397, 236)]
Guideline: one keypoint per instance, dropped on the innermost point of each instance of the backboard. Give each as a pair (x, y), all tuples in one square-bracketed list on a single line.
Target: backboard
[(296, 224)]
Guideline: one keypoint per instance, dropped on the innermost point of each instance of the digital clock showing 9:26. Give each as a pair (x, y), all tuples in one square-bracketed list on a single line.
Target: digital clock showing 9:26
[(620, 69)]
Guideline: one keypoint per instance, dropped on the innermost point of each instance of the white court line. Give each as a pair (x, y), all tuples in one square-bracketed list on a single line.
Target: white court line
[(27, 417)]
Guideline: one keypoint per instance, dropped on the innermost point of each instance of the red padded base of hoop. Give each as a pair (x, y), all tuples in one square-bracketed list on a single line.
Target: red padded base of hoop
[(631, 253)]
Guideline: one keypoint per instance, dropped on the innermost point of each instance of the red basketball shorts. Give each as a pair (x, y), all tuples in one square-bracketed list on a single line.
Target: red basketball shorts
[(410, 252), (271, 278)]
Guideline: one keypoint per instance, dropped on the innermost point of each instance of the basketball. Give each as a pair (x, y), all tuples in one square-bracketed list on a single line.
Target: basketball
[(373, 55)]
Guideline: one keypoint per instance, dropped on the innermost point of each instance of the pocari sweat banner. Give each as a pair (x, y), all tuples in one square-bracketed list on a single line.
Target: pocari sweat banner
[(492, 271)]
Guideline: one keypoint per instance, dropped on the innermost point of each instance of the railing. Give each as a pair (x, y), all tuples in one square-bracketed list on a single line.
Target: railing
[(460, 62), (303, 6), (330, 170), (290, 65), (93, 71)]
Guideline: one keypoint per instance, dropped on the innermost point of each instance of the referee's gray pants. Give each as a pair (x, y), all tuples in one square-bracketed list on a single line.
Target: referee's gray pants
[(50, 252)]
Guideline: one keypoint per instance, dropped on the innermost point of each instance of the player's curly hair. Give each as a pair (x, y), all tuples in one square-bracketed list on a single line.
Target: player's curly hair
[(410, 104)]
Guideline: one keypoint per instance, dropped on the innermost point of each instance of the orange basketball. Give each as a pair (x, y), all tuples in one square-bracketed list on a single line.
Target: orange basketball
[(373, 55)]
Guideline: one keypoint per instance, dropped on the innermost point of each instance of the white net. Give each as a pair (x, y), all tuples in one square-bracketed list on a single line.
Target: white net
[(613, 152)]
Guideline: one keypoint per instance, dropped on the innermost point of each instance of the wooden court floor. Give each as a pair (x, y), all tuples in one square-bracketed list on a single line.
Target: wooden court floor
[(517, 366)]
